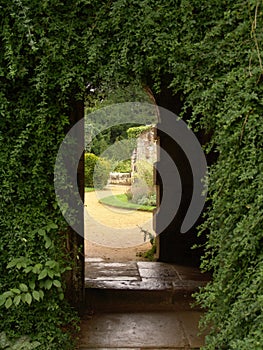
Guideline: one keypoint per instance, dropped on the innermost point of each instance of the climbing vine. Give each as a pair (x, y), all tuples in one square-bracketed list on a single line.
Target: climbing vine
[(35, 91), (208, 52)]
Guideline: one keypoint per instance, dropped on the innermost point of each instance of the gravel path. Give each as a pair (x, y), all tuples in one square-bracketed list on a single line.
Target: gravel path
[(112, 233)]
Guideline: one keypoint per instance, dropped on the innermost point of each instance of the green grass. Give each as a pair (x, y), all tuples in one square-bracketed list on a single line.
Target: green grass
[(89, 189), (121, 201)]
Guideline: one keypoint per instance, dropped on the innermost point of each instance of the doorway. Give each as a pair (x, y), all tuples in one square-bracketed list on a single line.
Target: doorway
[(119, 215), (120, 193)]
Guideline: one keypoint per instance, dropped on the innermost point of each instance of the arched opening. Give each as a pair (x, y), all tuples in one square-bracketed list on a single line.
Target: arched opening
[(171, 245)]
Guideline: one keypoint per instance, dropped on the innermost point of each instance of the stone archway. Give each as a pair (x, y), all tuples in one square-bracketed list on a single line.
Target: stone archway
[(172, 246)]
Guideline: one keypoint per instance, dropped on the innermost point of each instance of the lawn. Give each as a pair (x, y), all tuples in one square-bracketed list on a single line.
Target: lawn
[(121, 201), (89, 189)]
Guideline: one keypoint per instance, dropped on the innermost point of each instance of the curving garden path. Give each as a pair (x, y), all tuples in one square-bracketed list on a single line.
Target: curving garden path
[(113, 233)]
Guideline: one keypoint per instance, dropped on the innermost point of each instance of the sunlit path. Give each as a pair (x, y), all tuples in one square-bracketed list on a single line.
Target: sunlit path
[(114, 227)]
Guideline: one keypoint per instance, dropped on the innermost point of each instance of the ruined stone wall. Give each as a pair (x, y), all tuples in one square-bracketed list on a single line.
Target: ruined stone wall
[(145, 149)]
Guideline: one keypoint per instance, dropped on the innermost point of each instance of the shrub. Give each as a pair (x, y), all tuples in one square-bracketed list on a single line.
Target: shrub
[(101, 173), (123, 166), (147, 200), (90, 162), (139, 189), (136, 131), (96, 171), (142, 190), (145, 173), (129, 194)]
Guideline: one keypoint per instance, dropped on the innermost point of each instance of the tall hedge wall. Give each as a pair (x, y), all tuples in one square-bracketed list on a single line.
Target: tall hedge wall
[(38, 79)]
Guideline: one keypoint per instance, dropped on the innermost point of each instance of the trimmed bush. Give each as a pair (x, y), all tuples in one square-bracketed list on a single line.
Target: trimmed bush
[(96, 171), (135, 132), (123, 166)]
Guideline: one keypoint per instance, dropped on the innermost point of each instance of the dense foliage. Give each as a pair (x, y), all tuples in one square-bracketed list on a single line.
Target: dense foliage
[(208, 52), (36, 86)]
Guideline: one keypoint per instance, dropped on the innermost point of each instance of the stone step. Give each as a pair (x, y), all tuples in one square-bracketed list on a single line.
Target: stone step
[(136, 286)]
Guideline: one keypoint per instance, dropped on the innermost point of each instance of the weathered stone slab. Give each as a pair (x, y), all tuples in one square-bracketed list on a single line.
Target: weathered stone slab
[(191, 273), (189, 321), (142, 276), (152, 265), (111, 271), (133, 330), (160, 273), (93, 260), (112, 278)]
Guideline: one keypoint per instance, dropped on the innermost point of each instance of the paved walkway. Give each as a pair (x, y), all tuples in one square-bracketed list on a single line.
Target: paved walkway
[(141, 330), (140, 305)]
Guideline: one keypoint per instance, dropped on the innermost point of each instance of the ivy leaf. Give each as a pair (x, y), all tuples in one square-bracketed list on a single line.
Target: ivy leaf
[(16, 290), (23, 287), (52, 225), (12, 264), (37, 268), (28, 298), (17, 300), (7, 294), (42, 274), (28, 269), (41, 232), (2, 300), (48, 284), (32, 284), (36, 295), (51, 263), (48, 242), (50, 273), (41, 294), (8, 303), (57, 283)]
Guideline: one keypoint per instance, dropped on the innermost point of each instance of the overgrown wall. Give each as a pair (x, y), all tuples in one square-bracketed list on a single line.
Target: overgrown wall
[(208, 52)]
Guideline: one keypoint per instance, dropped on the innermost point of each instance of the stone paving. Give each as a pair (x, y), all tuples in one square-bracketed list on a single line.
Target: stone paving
[(141, 275), (140, 330), (140, 305)]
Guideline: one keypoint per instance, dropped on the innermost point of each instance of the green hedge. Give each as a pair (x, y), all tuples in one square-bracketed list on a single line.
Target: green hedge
[(136, 131), (123, 166), (97, 171)]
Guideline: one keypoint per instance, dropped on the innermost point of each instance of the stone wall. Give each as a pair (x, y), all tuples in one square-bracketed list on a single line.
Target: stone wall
[(120, 178), (145, 149)]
